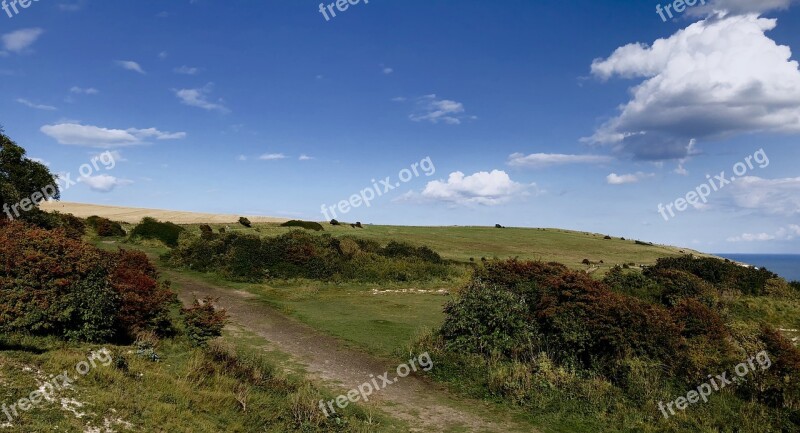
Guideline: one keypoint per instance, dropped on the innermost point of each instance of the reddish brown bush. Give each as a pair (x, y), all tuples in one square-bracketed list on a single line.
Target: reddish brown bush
[(51, 284)]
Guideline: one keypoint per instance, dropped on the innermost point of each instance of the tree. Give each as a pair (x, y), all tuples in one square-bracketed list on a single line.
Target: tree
[(21, 178)]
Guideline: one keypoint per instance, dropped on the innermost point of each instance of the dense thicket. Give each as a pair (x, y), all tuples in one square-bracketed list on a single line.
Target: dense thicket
[(51, 284), (662, 330), (104, 227), (298, 254)]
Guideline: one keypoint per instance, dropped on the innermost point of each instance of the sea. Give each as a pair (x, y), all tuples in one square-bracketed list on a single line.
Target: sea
[(785, 265)]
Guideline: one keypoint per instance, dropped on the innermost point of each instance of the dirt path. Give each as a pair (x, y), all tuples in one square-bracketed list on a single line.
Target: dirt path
[(424, 405)]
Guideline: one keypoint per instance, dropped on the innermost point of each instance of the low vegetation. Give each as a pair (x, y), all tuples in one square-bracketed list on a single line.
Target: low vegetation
[(151, 229), (308, 225), (297, 254), (554, 341), (104, 227)]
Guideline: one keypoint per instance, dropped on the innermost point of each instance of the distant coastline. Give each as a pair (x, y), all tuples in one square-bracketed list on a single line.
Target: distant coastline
[(785, 265)]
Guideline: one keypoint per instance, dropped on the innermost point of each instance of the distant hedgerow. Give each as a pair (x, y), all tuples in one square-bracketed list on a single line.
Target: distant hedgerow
[(308, 225)]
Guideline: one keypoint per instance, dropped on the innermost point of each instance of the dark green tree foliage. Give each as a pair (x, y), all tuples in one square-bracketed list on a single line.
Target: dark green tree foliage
[(245, 222), (21, 177)]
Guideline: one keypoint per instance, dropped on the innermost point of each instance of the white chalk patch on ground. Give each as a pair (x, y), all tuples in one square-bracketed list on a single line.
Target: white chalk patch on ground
[(72, 405), (418, 291)]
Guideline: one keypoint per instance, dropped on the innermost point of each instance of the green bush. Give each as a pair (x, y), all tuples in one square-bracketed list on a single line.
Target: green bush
[(166, 232), (104, 227), (203, 322), (245, 222), (722, 274), (308, 225)]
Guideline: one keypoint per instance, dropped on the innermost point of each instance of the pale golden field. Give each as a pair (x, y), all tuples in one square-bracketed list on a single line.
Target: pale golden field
[(134, 215)]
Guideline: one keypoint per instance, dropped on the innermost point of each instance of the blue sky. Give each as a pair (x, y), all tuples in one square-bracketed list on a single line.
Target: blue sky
[(535, 114)]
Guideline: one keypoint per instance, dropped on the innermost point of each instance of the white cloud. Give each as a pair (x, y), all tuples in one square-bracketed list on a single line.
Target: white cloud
[(788, 233), (435, 110), (163, 55), (186, 70), (399, 99), (199, 98), (84, 91), (103, 182), (305, 157), (20, 40), (241, 158), (483, 188), (30, 104), (769, 196), (94, 136), (388, 71), (131, 66), (272, 156), (541, 160), (717, 78), (622, 179), (739, 7)]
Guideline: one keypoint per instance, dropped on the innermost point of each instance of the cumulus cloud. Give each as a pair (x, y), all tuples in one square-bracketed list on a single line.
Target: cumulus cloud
[(103, 182), (20, 40), (432, 109), (95, 136), (541, 160), (769, 196), (199, 98), (305, 157), (482, 188), (622, 179), (718, 78), (30, 104), (788, 233), (131, 66)]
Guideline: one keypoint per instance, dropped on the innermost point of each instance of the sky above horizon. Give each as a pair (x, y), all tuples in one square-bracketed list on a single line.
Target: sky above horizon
[(588, 115)]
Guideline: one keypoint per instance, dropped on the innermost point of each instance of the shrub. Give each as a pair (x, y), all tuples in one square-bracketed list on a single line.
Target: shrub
[(498, 226), (308, 225), (608, 237), (358, 225), (206, 232), (335, 223), (166, 232), (781, 386), (724, 275), (586, 262), (245, 222), (490, 320), (203, 322), (53, 285), (104, 227), (678, 285)]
